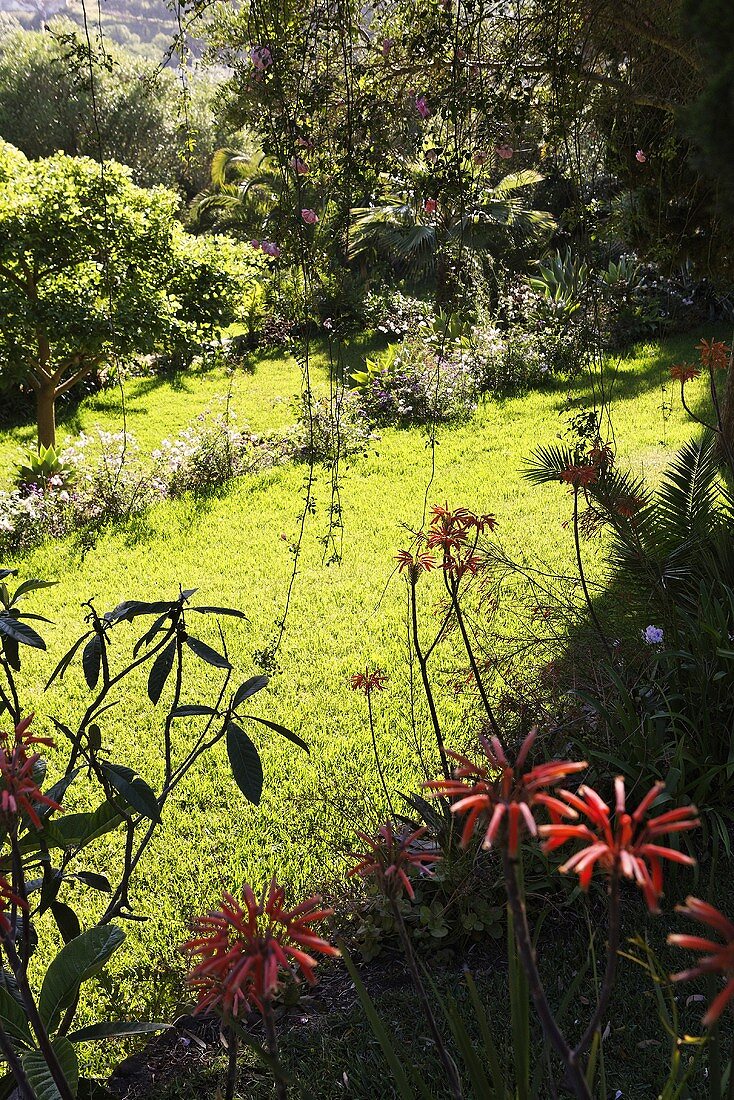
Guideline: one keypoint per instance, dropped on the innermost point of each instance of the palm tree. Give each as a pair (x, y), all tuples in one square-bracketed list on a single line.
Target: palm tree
[(244, 193), (414, 236)]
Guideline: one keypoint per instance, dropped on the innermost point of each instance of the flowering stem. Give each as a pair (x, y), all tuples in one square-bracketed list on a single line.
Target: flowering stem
[(377, 754), (232, 1049), (423, 666), (447, 1062), (453, 592), (527, 957), (611, 969), (582, 575), (15, 1065), (271, 1038)]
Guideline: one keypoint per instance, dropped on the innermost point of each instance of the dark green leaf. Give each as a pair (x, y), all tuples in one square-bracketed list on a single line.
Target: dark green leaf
[(66, 660), (206, 653), (31, 586), (110, 1029), (94, 881), (282, 730), (160, 671), (150, 634), (75, 963), (191, 709), (8, 573), (91, 660), (129, 609), (39, 1074), (66, 920), (133, 789), (205, 610), (20, 632), (75, 830), (245, 763), (14, 1018), (250, 687)]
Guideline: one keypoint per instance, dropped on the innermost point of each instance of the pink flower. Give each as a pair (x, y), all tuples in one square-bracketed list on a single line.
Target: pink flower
[(299, 166), (270, 249), (431, 155), (255, 244), (640, 156), (480, 157), (387, 45), (310, 217), (430, 206), (504, 152), (261, 57), (421, 106)]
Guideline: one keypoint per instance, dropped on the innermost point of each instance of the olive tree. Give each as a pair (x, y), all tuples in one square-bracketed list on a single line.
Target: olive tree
[(93, 269)]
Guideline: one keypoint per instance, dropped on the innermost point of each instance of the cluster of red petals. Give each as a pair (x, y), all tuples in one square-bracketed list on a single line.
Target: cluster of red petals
[(502, 794), (368, 681), (714, 354), (389, 858), (8, 898), (718, 957), (602, 455), (418, 563), (580, 476), (243, 950), (629, 506), (620, 843), (684, 372), (455, 533), (19, 793)]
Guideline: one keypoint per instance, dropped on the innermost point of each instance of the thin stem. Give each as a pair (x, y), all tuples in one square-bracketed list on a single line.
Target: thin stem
[(271, 1038), (527, 957), (423, 666), (452, 1076), (34, 1018), (15, 1066), (582, 575), (232, 1050), (377, 755), (454, 593), (611, 968)]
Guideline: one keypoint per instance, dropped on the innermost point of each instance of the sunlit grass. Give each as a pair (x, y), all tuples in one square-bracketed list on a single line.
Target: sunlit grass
[(234, 547)]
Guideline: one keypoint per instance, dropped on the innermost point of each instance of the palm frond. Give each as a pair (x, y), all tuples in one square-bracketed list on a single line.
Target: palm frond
[(546, 464)]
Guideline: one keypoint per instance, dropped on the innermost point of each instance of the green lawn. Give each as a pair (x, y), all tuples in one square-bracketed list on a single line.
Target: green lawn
[(230, 547)]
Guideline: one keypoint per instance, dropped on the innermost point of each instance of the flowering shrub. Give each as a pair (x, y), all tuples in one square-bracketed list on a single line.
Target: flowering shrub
[(419, 381), (327, 431), (396, 314)]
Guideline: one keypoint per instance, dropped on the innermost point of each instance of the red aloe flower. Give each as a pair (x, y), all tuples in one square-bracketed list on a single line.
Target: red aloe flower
[(580, 476), (390, 857), (7, 898), (19, 792), (415, 564), (244, 950), (504, 793), (684, 372), (718, 957), (626, 845), (714, 353), (368, 681)]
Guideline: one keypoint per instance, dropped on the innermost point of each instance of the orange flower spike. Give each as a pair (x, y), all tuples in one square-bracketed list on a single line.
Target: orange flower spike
[(503, 793), (718, 957), (389, 858), (244, 948), (684, 372), (714, 354), (624, 845)]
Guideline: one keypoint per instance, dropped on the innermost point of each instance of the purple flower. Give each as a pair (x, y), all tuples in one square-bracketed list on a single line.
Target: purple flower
[(652, 635), (421, 106), (310, 217), (261, 58)]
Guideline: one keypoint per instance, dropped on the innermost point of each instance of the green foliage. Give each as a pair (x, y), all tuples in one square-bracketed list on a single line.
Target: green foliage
[(93, 268), (39, 467), (136, 114)]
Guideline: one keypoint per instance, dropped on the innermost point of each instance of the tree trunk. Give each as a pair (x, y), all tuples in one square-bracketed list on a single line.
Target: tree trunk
[(46, 415)]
